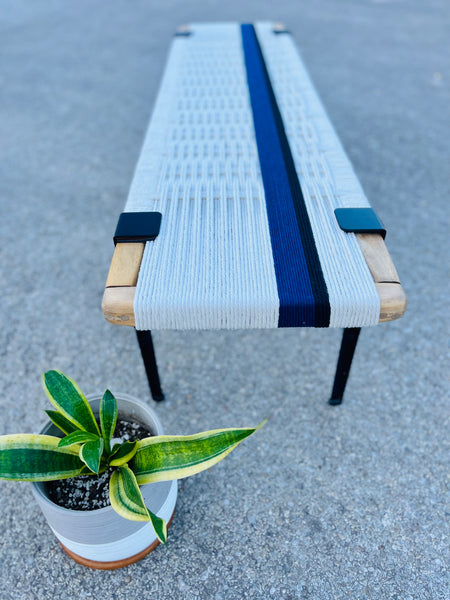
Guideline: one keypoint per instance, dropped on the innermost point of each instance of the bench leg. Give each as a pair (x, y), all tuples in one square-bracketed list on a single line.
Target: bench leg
[(348, 345), (151, 368)]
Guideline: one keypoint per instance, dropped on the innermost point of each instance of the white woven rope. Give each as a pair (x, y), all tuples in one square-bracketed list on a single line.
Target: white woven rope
[(327, 179), (211, 267)]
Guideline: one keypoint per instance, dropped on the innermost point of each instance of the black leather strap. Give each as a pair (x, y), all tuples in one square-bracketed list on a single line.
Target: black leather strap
[(137, 227), (359, 220)]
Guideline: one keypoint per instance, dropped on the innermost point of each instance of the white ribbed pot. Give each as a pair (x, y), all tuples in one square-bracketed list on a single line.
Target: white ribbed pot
[(100, 538)]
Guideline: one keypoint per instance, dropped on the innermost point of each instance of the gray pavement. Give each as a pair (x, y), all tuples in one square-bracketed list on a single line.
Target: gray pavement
[(324, 503)]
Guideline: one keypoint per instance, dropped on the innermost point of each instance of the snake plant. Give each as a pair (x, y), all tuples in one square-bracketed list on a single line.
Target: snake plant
[(86, 448)]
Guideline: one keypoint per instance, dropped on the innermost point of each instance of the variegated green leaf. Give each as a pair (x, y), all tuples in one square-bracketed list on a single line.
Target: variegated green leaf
[(159, 526), (70, 401), (125, 495), (126, 499), (29, 457), (108, 418), (61, 422), (162, 458), (115, 449), (123, 454), (91, 454), (77, 437)]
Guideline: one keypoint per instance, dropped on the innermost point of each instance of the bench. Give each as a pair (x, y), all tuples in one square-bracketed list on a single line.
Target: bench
[(244, 210)]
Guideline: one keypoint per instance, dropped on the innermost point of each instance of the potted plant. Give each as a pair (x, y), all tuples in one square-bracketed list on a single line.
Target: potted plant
[(81, 445)]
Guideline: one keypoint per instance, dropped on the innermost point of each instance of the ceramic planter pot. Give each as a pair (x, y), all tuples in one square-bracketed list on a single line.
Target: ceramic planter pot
[(100, 538)]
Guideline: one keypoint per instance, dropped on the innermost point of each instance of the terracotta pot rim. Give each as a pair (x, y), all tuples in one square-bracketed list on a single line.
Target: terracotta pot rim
[(112, 565)]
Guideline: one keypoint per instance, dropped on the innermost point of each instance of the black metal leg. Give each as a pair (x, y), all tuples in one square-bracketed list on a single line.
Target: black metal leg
[(348, 345), (151, 368)]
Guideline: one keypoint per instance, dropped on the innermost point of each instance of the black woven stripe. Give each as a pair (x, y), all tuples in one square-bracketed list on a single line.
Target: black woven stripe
[(322, 308)]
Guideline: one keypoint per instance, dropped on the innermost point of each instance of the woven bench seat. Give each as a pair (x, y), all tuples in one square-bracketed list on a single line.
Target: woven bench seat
[(246, 171)]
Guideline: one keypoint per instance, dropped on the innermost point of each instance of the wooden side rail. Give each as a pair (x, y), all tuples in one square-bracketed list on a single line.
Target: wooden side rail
[(117, 304)]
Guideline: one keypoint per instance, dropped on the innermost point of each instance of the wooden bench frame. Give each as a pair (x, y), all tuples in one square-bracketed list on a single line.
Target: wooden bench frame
[(120, 286)]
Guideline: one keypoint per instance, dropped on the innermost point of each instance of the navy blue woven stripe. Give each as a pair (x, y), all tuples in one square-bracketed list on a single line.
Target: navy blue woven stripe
[(301, 285)]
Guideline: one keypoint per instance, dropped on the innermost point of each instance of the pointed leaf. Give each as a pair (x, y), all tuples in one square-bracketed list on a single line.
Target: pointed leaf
[(162, 458), (159, 526), (77, 437), (126, 499), (123, 454), (29, 457), (70, 401), (91, 453), (115, 449), (61, 422), (108, 417)]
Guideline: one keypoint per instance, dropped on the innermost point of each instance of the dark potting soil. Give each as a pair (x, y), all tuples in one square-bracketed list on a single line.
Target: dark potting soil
[(88, 492)]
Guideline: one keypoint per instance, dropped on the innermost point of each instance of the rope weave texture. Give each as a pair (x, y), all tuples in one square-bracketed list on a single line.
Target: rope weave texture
[(212, 265)]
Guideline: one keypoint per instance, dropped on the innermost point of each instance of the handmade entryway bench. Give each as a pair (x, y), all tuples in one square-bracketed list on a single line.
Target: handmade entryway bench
[(244, 210)]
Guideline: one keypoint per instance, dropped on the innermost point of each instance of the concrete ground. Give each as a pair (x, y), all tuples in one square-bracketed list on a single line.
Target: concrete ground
[(324, 503)]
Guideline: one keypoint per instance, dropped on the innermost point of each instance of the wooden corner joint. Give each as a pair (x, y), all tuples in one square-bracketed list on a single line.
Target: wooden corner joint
[(393, 301), (184, 29), (117, 305), (278, 26), (385, 276), (118, 298)]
